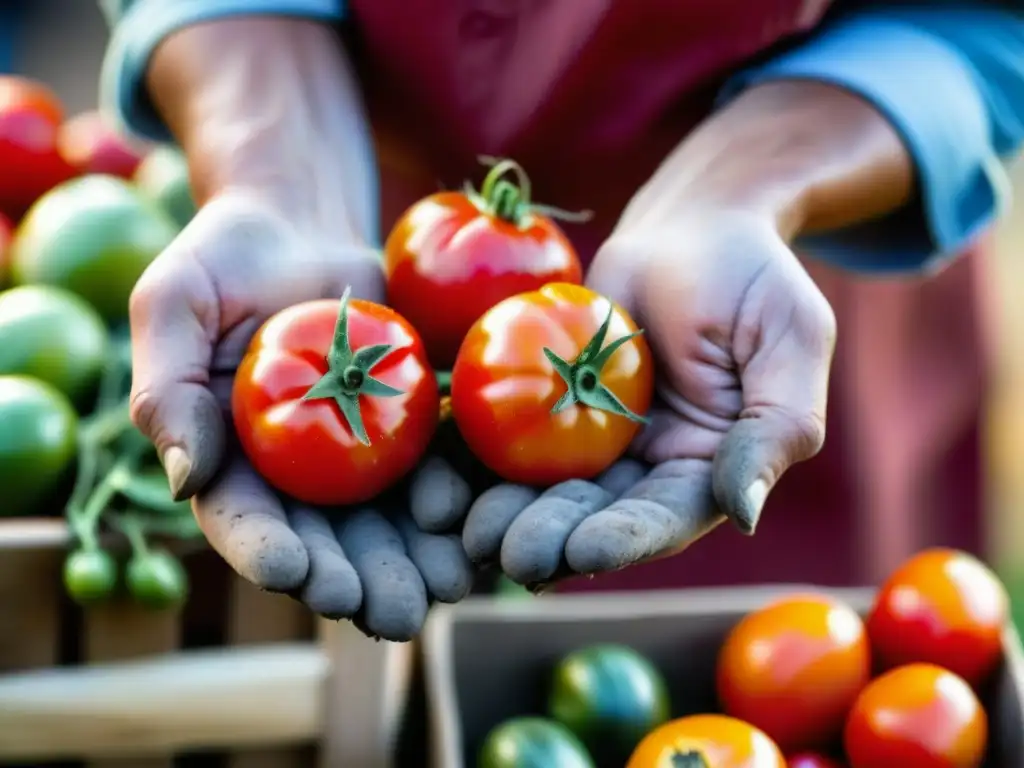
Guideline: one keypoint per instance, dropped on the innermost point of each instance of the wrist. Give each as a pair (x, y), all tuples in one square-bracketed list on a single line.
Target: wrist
[(803, 155), (269, 107)]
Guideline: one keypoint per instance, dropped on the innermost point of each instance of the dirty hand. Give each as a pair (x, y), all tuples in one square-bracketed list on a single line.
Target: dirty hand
[(192, 316), (743, 341)]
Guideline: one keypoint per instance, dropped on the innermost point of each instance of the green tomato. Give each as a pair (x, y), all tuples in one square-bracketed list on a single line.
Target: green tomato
[(37, 443), (94, 236), (90, 575), (157, 580), (533, 742), (163, 178), (55, 336), (610, 697)]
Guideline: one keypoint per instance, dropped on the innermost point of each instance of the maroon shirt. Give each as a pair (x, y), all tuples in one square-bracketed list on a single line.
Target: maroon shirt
[(590, 96)]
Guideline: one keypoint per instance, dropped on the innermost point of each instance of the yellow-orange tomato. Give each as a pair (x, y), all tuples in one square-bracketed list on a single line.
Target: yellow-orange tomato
[(941, 607), (917, 716), (707, 741), (511, 393), (794, 668)]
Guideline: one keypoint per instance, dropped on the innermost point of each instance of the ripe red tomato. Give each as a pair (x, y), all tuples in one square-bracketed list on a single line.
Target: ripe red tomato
[(551, 385), (917, 716), (454, 255), (92, 145), (706, 741), (942, 607), (333, 403), (794, 668), (812, 760), (30, 118)]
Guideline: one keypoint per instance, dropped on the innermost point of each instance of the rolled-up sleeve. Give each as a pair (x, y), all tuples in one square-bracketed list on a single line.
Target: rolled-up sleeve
[(949, 76), (138, 26)]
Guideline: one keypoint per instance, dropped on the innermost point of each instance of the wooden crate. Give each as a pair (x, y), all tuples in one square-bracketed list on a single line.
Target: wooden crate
[(470, 690), (238, 671)]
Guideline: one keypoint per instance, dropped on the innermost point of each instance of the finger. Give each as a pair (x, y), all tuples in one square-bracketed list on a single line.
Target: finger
[(394, 595), (662, 514), (245, 523), (332, 588), (173, 313), (490, 517), (621, 476), (438, 496), (441, 560), (784, 375), (533, 548)]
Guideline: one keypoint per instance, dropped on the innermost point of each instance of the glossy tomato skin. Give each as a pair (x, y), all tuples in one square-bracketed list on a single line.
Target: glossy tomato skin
[(916, 716), (90, 144), (794, 669), (305, 448), (812, 760), (723, 742), (503, 386), (30, 119), (447, 262), (942, 607)]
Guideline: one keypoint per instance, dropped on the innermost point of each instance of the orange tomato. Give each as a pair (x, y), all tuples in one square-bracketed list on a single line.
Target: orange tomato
[(917, 716), (942, 607), (511, 397), (706, 741), (794, 668)]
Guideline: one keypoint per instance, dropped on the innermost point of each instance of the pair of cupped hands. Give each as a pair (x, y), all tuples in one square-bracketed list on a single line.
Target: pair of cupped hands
[(743, 341)]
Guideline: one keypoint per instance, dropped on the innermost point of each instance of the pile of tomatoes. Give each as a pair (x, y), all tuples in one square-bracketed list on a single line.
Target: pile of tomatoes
[(83, 212), (486, 320), (803, 682)]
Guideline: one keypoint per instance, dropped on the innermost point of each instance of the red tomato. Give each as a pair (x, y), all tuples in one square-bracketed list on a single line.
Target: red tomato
[(30, 118), (6, 232), (92, 145), (812, 760), (794, 668), (917, 716), (454, 255), (942, 607), (706, 741), (333, 423), (511, 397)]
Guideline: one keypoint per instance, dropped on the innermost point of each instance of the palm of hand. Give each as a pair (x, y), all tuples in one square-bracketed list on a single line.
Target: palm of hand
[(743, 339), (193, 314)]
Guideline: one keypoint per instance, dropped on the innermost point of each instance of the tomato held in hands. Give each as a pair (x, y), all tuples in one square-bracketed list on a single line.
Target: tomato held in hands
[(454, 255), (942, 607), (91, 144), (707, 741), (917, 716), (31, 162), (333, 402), (552, 385), (794, 669)]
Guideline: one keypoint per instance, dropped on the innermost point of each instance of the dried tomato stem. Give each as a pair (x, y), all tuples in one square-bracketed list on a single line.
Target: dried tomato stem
[(582, 376), (348, 374)]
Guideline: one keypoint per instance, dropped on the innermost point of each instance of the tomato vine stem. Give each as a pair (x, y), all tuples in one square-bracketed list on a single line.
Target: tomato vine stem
[(582, 376), (348, 374), (511, 200)]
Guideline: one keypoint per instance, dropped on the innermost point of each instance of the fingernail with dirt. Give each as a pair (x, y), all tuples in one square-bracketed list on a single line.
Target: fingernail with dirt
[(178, 467)]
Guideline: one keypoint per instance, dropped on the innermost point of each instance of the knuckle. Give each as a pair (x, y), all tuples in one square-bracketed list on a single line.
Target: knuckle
[(818, 324), (808, 435)]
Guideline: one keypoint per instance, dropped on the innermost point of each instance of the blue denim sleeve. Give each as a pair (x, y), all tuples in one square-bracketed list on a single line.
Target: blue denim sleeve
[(138, 26), (950, 78)]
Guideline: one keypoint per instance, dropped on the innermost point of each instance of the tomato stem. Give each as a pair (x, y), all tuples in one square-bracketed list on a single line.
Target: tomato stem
[(444, 381), (689, 759), (348, 374), (510, 201), (582, 376)]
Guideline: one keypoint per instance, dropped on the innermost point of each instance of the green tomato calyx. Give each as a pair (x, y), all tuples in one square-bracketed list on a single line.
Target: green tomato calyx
[(582, 376), (348, 374), (689, 759), (510, 201)]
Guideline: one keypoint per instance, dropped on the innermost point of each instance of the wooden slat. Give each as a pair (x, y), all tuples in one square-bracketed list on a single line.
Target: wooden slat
[(189, 701), (30, 583), (258, 617)]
